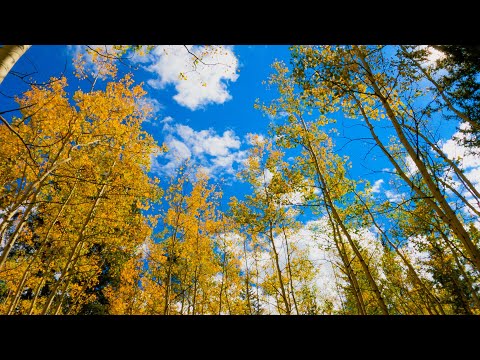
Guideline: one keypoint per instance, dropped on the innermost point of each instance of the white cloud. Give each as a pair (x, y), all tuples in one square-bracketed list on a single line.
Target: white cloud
[(314, 241), (166, 119), (216, 154), (226, 162), (306, 244), (144, 249), (206, 170), (376, 186), (467, 161), (434, 55), (316, 237), (455, 151), (177, 153), (411, 167), (417, 257), (393, 196), (178, 149), (207, 141), (79, 50), (252, 138), (294, 197), (137, 58), (203, 83), (474, 176)]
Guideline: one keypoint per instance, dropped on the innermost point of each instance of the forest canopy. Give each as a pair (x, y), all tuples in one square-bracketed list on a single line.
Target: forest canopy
[(186, 180)]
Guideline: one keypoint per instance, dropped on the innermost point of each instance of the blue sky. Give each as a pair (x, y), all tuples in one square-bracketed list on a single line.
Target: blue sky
[(207, 123)]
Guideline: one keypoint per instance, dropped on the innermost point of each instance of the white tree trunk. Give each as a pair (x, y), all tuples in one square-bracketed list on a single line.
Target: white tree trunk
[(9, 55)]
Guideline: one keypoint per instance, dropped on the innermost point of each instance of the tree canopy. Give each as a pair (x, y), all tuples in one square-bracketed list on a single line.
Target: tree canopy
[(87, 227)]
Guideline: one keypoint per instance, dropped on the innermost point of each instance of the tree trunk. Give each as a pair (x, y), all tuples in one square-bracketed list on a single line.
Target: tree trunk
[(224, 276), (13, 238), (290, 275), (462, 270), (195, 285), (38, 252), (447, 212), (427, 292), (30, 190), (279, 272), (468, 184), (338, 220), (166, 308), (9, 55), (247, 279), (77, 248), (37, 293), (352, 277)]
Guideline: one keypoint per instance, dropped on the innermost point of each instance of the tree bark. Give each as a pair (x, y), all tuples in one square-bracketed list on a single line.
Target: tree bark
[(9, 55)]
